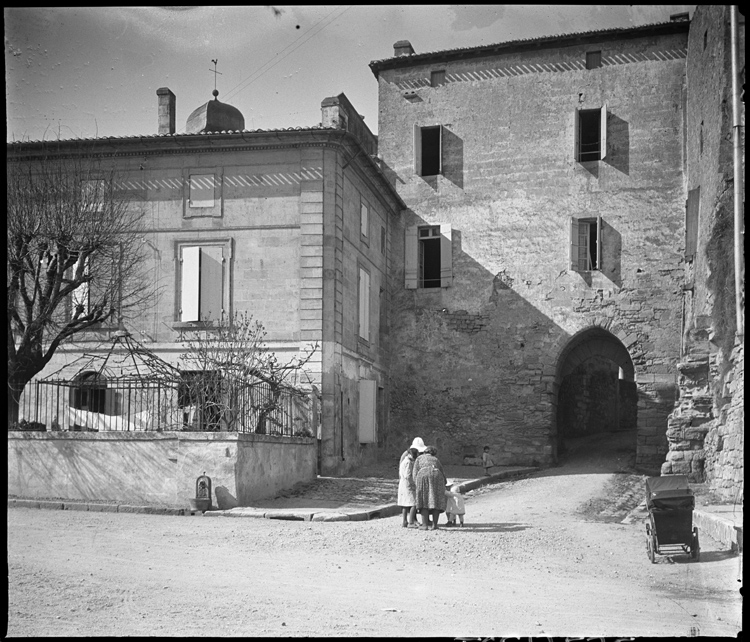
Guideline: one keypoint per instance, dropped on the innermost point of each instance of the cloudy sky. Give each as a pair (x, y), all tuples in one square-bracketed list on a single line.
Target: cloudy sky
[(85, 72)]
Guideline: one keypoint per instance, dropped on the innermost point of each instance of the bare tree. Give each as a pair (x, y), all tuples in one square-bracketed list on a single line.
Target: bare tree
[(74, 254), (233, 377)]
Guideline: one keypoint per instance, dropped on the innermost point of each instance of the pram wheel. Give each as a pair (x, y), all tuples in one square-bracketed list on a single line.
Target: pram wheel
[(651, 545), (695, 549)]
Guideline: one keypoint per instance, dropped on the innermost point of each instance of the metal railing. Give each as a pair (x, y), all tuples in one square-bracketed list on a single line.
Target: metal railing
[(157, 405)]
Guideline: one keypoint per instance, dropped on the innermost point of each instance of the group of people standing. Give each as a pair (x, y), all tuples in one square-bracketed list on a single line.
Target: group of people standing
[(423, 488)]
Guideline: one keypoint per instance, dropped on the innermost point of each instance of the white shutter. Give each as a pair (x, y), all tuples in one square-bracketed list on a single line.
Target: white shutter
[(411, 257), (190, 284), (364, 219), (212, 283), (81, 293), (446, 255), (201, 190), (603, 132), (584, 248), (573, 256), (417, 150), (576, 135), (599, 262), (364, 304), (440, 150), (367, 398)]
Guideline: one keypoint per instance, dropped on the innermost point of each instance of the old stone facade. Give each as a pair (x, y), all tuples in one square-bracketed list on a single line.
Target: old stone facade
[(706, 430), (291, 226), (552, 307)]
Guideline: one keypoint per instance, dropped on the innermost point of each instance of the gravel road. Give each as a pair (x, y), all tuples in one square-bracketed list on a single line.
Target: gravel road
[(544, 556)]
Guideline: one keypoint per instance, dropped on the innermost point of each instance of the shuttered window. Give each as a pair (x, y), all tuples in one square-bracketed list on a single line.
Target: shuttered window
[(590, 134), (202, 283), (585, 244), (428, 256), (428, 150), (364, 304), (367, 411)]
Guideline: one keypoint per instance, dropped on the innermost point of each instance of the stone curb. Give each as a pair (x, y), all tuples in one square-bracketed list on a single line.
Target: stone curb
[(722, 530), (491, 479), (94, 507)]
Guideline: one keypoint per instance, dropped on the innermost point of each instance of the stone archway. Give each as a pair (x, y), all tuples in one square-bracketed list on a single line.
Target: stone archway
[(596, 394)]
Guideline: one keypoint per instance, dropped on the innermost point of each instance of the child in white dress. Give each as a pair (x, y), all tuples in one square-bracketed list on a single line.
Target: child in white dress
[(454, 504)]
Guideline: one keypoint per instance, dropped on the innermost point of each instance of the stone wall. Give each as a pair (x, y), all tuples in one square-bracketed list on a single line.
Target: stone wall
[(706, 429), (475, 363), (156, 468)]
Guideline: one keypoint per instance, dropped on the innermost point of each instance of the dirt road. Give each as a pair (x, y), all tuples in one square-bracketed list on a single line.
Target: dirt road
[(545, 556)]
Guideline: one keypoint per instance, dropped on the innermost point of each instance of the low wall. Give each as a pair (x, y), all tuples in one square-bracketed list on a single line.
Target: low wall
[(157, 467)]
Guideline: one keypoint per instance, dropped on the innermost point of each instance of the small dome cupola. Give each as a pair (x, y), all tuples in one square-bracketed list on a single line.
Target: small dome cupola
[(215, 116)]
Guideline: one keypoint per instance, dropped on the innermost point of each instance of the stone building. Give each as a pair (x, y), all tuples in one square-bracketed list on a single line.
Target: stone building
[(291, 226), (541, 291), (706, 430)]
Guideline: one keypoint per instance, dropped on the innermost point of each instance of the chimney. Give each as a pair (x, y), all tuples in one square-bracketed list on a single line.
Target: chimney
[(166, 110), (403, 48)]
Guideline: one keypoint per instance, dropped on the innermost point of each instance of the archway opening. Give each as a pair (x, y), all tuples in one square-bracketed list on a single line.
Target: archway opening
[(597, 402)]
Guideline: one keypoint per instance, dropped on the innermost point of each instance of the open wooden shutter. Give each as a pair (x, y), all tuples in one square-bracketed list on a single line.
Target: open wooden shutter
[(411, 257), (603, 132), (446, 255), (190, 284), (599, 261), (692, 210), (440, 150), (367, 413), (573, 256), (80, 295), (417, 150), (364, 304), (211, 283), (576, 135)]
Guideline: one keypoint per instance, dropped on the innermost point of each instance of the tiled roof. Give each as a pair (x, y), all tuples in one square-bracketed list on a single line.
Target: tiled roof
[(136, 137), (416, 58)]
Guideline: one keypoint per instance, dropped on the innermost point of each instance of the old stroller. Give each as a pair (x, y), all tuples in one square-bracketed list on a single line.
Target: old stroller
[(670, 503)]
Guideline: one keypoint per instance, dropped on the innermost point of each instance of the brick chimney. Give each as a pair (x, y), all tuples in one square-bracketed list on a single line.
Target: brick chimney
[(403, 48), (167, 110)]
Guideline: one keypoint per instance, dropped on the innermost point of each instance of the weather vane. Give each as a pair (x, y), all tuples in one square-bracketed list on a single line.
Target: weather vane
[(216, 73)]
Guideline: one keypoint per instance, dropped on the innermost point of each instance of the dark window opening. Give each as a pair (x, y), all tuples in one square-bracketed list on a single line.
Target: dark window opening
[(593, 59), (89, 393), (429, 257), (593, 246), (590, 135), (430, 151), (705, 39), (437, 78)]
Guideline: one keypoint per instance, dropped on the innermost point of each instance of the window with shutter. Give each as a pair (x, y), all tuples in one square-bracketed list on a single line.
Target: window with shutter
[(428, 150), (364, 220), (367, 411), (585, 244), (201, 284), (428, 256), (590, 134), (364, 304)]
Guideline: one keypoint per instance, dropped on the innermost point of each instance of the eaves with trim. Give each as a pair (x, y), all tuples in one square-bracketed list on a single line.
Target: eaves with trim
[(528, 44)]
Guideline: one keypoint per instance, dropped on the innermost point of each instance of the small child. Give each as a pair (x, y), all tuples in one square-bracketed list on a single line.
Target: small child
[(454, 505), (487, 461)]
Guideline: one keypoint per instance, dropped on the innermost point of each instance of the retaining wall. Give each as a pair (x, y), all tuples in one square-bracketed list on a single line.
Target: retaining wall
[(156, 468)]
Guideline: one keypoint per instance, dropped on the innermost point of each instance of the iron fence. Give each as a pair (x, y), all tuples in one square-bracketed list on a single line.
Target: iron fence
[(194, 404)]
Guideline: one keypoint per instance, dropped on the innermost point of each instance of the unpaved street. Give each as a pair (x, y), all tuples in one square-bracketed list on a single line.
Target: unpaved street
[(544, 556)]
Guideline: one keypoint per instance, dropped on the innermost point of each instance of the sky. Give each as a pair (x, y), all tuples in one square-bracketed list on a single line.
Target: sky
[(94, 71)]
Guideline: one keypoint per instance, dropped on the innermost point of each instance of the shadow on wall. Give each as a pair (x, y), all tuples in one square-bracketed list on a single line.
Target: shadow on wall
[(453, 158), (618, 143)]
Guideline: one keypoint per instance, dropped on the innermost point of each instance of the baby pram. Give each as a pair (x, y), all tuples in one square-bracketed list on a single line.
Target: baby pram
[(670, 503)]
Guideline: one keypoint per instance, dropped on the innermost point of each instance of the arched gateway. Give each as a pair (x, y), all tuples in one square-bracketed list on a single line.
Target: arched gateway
[(595, 393)]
